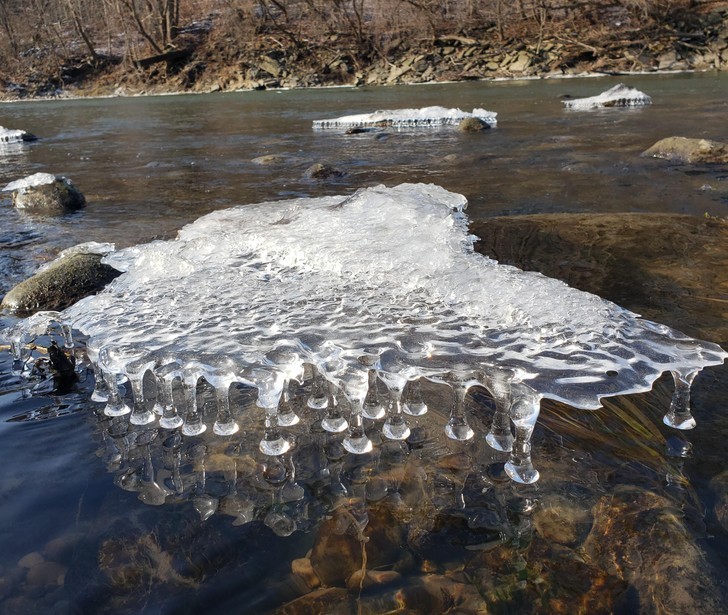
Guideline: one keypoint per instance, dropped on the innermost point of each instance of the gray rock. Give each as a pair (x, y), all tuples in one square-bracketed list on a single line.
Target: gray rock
[(472, 124), (51, 195), (682, 149), (62, 283), (323, 171)]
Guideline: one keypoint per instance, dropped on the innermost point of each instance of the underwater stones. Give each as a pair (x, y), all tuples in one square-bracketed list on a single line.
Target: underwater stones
[(560, 520), (339, 544), (303, 569), (642, 537), (46, 193), (719, 487), (472, 124), (689, 151), (66, 280), (618, 96)]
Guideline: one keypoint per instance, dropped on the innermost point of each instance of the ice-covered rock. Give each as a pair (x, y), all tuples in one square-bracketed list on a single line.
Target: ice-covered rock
[(10, 135), (408, 118), (386, 282), (618, 96), (45, 192)]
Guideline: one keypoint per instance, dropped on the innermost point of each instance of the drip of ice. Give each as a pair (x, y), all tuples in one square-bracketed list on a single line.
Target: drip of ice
[(407, 118), (618, 96), (380, 286), (32, 181), (10, 135)]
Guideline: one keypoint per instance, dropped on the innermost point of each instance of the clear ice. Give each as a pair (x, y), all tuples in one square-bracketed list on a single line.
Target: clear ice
[(382, 287), (618, 96), (407, 118)]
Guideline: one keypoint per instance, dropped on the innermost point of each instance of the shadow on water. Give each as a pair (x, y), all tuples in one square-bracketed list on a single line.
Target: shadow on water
[(629, 516)]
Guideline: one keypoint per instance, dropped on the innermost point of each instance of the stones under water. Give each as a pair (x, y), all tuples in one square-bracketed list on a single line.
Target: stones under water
[(344, 292)]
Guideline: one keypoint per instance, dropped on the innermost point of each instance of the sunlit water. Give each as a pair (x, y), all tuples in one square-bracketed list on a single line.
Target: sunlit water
[(150, 165)]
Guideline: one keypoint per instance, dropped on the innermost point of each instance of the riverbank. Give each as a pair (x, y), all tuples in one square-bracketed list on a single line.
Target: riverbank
[(198, 62)]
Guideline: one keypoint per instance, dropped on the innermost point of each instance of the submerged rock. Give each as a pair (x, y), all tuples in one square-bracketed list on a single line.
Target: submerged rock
[(46, 193), (72, 276), (690, 151), (323, 171), (641, 537)]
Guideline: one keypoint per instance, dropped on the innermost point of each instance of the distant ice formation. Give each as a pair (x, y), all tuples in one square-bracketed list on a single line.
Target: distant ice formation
[(618, 96), (9, 135), (382, 285), (407, 118)]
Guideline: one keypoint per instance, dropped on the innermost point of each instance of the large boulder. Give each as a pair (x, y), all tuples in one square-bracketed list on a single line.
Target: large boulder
[(75, 274), (46, 193), (689, 151)]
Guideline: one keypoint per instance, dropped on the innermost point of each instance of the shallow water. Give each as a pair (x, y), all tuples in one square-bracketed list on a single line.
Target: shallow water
[(150, 165)]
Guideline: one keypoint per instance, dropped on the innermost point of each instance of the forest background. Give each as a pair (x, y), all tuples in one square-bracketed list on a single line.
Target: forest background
[(117, 47)]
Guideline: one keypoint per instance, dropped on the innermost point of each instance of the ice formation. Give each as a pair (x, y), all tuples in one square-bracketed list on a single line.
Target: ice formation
[(38, 179), (9, 135), (407, 118), (618, 96), (382, 284)]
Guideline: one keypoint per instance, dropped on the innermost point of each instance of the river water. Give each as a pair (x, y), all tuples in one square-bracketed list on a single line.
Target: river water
[(76, 537)]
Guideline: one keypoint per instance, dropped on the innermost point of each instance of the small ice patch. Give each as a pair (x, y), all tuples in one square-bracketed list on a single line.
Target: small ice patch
[(618, 96), (39, 179), (10, 135)]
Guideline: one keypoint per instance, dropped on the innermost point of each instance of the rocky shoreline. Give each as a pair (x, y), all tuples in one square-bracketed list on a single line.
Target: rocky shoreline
[(195, 65)]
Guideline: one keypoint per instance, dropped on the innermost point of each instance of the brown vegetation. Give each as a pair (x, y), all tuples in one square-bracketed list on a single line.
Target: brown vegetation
[(103, 45)]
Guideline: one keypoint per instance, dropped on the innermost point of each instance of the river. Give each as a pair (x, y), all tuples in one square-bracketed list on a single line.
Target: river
[(76, 537)]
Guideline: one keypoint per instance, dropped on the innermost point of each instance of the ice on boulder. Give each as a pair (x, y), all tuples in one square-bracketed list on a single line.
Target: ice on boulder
[(9, 135), (618, 96), (386, 282), (38, 179), (408, 118)]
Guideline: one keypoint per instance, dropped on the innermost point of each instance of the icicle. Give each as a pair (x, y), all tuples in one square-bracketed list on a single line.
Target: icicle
[(372, 407), (524, 413), (318, 399), (679, 415), (333, 422), (286, 416), (141, 415), (414, 405), (270, 390), (193, 425), (457, 427), (500, 437), (395, 427), (224, 423)]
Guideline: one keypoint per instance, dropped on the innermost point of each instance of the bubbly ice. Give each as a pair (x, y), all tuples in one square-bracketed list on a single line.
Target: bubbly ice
[(38, 179), (407, 118), (618, 96), (385, 280)]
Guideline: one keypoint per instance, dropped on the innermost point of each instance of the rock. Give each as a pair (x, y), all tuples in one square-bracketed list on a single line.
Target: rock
[(30, 560), (268, 159), (719, 486), (363, 579), (690, 151), (323, 171), (472, 124), (332, 601), (46, 193), (596, 253), (46, 573), (521, 63), (641, 537), (302, 568), (337, 549), (560, 520), (69, 278)]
